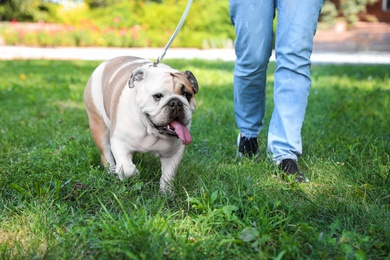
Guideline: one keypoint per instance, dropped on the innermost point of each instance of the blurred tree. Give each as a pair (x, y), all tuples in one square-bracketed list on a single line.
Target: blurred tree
[(105, 3), (34, 10), (344, 9), (328, 13), (100, 3), (350, 9), (25, 10)]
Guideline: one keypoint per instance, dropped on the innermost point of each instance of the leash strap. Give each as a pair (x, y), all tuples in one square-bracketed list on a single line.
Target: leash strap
[(183, 18)]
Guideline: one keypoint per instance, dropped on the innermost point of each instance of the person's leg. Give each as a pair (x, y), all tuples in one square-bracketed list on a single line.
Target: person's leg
[(297, 23), (253, 45)]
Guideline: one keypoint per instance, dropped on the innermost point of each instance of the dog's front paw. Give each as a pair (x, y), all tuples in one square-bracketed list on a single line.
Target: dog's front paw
[(166, 187), (126, 171), (111, 169)]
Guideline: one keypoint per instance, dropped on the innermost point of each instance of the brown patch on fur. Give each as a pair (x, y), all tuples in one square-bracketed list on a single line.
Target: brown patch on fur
[(96, 122), (115, 78), (182, 86)]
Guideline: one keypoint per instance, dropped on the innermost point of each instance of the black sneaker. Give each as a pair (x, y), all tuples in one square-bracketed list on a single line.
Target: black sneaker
[(290, 167), (247, 146)]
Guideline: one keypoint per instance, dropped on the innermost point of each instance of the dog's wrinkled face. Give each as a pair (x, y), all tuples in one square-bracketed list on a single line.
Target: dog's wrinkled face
[(167, 99)]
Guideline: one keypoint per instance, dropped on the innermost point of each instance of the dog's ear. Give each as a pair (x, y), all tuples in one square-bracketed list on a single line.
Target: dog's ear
[(191, 78), (137, 75)]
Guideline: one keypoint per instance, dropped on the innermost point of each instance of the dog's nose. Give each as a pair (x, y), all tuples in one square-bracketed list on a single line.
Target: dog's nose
[(175, 103)]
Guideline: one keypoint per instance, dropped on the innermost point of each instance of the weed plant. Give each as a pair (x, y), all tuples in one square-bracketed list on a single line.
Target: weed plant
[(57, 201)]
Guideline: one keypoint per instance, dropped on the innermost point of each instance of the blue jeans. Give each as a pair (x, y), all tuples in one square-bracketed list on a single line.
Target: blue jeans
[(296, 26)]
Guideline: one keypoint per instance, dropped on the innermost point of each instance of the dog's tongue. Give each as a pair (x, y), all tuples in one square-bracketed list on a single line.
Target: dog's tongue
[(182, 132)]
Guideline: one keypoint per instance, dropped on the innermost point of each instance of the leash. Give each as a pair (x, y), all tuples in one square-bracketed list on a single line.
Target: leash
[(183, 18)]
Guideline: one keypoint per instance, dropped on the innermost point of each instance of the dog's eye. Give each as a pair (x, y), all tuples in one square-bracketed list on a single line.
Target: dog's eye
[(187, 95), (158, 96)]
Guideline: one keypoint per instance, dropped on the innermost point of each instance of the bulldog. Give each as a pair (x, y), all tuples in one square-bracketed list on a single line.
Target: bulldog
[(133, 106)]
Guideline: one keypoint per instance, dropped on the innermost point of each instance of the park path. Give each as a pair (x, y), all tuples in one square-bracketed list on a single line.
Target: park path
[(60, 53), (362, 37)]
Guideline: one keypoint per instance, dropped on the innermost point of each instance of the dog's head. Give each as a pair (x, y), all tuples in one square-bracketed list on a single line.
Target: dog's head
[(166, 98)]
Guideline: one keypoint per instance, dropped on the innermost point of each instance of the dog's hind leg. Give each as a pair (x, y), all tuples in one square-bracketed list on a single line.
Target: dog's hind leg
[(99, 129), (101, 135)]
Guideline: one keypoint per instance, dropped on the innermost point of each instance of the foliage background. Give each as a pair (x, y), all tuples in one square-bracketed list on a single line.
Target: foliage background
[(120, 24), (135, 23)]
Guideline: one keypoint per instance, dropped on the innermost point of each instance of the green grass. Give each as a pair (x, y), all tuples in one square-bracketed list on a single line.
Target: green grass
[(57, 202)]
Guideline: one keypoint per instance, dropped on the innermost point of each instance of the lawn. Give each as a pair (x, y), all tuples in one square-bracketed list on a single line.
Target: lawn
[(58, 202)]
